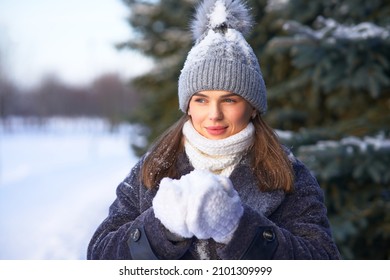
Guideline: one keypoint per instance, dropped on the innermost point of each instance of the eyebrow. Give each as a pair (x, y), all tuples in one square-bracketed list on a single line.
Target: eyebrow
[(222, 96)]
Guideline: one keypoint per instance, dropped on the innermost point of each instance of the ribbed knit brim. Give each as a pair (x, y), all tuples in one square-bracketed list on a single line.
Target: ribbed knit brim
[(222, 74)]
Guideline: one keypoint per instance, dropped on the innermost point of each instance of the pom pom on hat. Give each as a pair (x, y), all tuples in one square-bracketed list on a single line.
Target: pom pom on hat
[(212, 14), (221, 58)]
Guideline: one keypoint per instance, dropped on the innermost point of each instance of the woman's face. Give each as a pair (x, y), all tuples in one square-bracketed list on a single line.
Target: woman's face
[(218, 114)]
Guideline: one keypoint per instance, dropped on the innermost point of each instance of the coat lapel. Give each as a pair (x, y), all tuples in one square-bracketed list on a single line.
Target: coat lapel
[(247, 186)]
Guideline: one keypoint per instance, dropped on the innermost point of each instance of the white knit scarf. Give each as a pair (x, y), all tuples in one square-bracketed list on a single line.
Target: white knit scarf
[(217, 156)]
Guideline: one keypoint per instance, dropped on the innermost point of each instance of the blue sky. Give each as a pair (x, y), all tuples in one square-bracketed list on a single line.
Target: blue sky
[(71, 39)]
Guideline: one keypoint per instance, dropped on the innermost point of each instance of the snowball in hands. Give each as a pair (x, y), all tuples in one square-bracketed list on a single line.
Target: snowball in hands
[(201, 204)]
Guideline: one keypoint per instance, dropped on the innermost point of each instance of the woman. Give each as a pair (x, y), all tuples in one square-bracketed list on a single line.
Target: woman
[(218, 184)]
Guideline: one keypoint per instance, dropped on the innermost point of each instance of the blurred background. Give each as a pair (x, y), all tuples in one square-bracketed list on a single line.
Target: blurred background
[(86, 86)]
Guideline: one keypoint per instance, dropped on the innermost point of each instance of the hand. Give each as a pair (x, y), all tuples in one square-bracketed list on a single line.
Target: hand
[(170, 205), (214, 209)]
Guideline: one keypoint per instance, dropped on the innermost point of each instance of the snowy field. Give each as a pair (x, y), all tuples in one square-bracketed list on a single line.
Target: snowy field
[(57, 181)]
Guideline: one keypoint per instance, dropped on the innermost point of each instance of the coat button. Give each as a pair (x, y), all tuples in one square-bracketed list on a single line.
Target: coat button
[(269, 235), (135, 234)]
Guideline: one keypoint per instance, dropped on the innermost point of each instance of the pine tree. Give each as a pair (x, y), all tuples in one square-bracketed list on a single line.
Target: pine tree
[(341, 71), (332, 77)]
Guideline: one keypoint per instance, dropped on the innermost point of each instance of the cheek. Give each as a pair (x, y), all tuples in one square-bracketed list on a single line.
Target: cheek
[(240, 120), (241, 117), (195, 113), (196, 119), (196, 122)]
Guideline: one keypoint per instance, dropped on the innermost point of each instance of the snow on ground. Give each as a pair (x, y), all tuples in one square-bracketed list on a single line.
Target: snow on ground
[(57, 181)]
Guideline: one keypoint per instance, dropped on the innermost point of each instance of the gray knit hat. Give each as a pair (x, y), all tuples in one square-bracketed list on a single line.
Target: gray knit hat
[(221, 58)]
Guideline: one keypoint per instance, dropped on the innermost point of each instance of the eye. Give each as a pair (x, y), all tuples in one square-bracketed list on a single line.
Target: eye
[(229, 100), (200, 100)]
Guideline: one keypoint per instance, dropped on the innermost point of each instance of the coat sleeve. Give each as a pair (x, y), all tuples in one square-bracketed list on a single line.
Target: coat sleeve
[(131, 231), (298, 229)]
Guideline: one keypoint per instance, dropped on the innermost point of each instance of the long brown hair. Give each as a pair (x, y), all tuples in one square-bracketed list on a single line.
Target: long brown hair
[(270, 162)]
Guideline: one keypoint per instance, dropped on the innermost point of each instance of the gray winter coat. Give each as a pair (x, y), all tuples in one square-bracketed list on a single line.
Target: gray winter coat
[(274, 225)]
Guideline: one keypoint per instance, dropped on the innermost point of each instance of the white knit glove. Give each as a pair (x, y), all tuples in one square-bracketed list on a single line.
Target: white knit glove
[(170, 205), (199, 203), (214, 209)]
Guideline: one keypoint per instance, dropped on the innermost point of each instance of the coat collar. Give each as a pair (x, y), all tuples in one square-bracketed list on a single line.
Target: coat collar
[(247, 185)]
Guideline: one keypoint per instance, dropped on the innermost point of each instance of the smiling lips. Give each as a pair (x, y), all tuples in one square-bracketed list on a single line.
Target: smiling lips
[(216, 130)]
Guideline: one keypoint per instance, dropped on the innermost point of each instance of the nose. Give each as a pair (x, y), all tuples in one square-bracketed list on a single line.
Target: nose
[(215, 112)]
